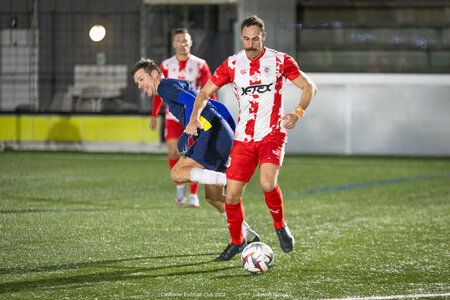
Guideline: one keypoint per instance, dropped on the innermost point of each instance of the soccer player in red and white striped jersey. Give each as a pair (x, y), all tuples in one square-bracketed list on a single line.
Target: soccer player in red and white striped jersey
[(258, 77), (185, 66)]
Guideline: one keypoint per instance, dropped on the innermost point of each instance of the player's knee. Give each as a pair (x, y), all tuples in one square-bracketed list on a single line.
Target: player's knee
[(176, 175), (268, 185), (232, 199)]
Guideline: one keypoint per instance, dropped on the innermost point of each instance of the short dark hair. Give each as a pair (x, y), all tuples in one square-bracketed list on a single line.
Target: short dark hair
[(180, 30), (253, 20), (147, 64)]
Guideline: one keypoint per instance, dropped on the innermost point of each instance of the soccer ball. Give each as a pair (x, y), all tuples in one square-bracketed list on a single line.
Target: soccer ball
[(257, 258)]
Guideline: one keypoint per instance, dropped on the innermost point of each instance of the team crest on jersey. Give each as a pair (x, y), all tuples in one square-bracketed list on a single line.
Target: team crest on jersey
[(267, 70)]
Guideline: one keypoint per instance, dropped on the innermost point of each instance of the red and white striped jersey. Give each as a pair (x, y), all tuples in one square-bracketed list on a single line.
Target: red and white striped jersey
[(194, 70), (258, 86)]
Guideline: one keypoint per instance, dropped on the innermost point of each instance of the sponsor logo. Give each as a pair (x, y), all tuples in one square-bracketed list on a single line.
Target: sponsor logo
[(260, 89), (275, 211), (243, 72)]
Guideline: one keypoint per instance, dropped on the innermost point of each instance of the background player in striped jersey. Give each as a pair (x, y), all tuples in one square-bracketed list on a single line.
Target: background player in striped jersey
[(185, 66), (258, 75)]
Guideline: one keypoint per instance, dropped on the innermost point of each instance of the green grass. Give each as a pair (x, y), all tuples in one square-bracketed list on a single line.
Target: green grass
[(85, 225)]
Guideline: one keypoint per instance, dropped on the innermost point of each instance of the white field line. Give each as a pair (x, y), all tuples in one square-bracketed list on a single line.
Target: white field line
[(365, 162), (416, 296)]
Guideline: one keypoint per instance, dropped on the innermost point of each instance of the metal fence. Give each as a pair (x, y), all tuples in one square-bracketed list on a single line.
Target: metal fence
[(49, 64)]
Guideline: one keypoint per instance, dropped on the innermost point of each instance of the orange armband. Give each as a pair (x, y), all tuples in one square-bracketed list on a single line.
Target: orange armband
[(299, 111)]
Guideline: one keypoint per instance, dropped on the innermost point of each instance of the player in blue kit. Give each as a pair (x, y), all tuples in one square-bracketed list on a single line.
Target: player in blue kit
[(206, 159)]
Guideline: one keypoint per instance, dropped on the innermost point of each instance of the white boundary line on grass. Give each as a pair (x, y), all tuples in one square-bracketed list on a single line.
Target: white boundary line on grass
[(393, 297)]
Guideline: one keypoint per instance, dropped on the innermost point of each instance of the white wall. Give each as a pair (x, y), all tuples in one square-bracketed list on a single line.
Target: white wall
[(370, 114), (18, 76)]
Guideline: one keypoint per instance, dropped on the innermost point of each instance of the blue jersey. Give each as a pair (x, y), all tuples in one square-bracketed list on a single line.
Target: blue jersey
[(179, 96), (213, 143)]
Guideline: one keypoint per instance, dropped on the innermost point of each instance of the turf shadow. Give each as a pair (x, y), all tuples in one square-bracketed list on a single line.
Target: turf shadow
[(81, 265), (138, 273)]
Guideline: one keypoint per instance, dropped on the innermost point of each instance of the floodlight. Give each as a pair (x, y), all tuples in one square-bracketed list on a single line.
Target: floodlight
[(97, 33)]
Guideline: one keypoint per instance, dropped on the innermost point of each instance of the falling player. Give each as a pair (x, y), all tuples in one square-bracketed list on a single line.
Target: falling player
[(205, 160), (258, 76), (185, 66)]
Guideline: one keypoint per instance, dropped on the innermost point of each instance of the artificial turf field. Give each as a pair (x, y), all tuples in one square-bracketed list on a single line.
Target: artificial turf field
[(87, 225)]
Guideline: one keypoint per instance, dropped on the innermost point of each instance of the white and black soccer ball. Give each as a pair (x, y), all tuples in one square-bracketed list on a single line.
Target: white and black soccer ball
[(257, 258)]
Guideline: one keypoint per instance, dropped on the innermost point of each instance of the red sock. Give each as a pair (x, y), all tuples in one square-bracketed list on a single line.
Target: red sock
[(235, 217), (274, 201), (194, 188), (172, 162)]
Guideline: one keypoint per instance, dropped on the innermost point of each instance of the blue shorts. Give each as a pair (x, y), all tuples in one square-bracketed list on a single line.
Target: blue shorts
[(212, 148)]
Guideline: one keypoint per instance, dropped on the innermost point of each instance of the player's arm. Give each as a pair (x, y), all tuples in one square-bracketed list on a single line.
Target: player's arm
[(205, 75), (308, 91), (157, 102), (200, 102)]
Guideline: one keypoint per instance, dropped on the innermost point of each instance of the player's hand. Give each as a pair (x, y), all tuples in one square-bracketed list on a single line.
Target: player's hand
[(153, 123), (192, 126), (290, 120), (183, 142)]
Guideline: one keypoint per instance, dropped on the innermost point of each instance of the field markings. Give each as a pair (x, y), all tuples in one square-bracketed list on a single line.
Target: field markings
[(374, 183), (378, 161), (393, 297)]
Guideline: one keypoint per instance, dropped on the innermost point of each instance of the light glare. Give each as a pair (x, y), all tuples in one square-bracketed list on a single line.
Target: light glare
[(97, 33)]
